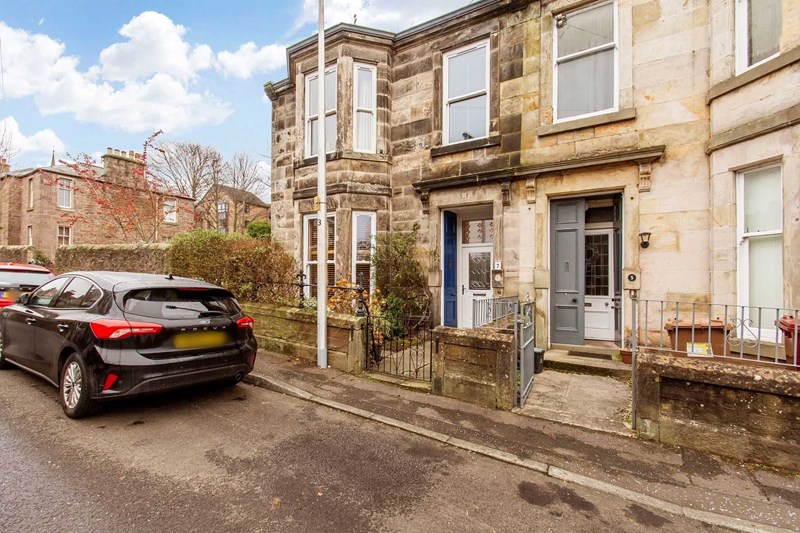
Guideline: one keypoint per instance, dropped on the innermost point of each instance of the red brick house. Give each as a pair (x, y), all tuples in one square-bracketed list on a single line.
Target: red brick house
[(230, 210), (47, 207)]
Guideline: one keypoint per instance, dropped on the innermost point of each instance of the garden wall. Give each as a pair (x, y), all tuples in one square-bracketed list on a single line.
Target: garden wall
[(476, 366), (748, 413), (149, 258), (293, 332)]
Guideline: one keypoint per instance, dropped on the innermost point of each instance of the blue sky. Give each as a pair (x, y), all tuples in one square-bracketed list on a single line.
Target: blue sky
[(82, 75)]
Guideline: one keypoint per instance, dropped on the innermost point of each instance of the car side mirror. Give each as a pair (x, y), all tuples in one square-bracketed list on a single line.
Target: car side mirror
[(24, 299)]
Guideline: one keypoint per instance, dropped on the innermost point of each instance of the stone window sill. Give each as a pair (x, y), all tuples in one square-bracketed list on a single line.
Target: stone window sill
[(346, 154), (588, 122), (754, 74), (492, 140)]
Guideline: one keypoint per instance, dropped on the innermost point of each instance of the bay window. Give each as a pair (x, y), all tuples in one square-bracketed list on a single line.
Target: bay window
[(760, 232), (364, 107), (363, 243), (313, 115), (758, 32), (310, 259)]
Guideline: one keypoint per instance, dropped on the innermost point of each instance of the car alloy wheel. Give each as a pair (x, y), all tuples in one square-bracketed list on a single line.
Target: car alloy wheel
[(76, 388), (73, 384)]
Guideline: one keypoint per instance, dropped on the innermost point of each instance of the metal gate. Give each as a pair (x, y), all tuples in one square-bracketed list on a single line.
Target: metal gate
[(524, 337), (401, 347)]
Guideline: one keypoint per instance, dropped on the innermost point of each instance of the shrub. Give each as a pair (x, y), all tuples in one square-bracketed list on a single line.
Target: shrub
[(257, 270), (259, 229), (400, 277)]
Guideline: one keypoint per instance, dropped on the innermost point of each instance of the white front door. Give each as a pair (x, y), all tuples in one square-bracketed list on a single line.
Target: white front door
[(474, 279), (599, 304)]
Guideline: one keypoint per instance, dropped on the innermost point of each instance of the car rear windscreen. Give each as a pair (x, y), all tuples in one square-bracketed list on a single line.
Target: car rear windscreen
[(10, 278), (180, 303)]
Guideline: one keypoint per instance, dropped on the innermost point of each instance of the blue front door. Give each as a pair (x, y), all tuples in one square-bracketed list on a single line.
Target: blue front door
[(450, 226)]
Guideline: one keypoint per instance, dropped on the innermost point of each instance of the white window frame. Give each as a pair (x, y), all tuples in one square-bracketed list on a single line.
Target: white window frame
[(307, 263), (30, 235), (68, 235), (58, 193), (170, 208), (583, 53), (354, 261), (30, 193), (742, 36), (446, 102), (743, 248), (326, 112), (373, 110)]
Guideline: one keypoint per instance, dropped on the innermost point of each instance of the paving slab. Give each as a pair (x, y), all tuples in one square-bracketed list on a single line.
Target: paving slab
[(595, 402)]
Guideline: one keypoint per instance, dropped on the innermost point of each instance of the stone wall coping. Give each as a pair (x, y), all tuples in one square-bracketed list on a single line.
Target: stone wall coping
[(762, 378), (477, 338), (755, 73), (303, 315), (125, 246)]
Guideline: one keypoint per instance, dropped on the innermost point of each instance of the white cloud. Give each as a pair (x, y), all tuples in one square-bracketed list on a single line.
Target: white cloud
[(41, 21), (249, 59), (387, 15), (155, 45), (41, 142), (152, 92)]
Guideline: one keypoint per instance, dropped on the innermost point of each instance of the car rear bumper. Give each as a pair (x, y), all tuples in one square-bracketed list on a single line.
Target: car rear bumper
[(161, 383)]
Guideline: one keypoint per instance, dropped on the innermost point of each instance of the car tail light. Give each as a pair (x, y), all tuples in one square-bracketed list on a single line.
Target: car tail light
[(109, 329), (245, 322)]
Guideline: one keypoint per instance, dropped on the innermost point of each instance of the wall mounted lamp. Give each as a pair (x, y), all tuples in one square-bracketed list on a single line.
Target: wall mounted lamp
[(644, 239)]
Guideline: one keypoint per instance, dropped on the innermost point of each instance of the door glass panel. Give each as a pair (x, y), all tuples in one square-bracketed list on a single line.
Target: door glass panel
[(762, 200), (766, 278), (47, 292), (74, 294), (480, 272), (597, 265)]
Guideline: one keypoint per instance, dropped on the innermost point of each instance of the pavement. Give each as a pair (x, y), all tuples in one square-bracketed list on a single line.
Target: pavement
[(689, 484)]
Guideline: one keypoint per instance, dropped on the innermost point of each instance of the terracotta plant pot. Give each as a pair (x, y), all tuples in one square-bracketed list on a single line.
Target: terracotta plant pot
[(627, 356)]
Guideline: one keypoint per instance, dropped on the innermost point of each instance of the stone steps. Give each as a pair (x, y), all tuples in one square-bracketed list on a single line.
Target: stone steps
[(564, 361)]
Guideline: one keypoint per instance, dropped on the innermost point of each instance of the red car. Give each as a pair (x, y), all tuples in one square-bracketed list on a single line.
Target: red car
[(17, 279)]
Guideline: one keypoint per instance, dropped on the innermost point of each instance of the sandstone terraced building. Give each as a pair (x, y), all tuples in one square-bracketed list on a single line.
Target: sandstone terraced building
[(569, 151), (49, 206)]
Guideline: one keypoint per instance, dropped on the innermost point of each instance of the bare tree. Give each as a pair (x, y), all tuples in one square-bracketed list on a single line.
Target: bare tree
[(245, 175), (189, 166), (7, 150)]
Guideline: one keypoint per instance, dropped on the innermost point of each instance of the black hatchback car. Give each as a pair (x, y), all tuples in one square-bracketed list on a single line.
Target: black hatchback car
[(103, 335)]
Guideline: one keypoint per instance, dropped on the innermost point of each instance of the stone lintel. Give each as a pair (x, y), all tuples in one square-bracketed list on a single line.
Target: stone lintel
[(639, 156)]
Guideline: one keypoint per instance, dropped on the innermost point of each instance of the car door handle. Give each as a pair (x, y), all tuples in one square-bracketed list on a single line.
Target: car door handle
[(63, 327), (30, 321)]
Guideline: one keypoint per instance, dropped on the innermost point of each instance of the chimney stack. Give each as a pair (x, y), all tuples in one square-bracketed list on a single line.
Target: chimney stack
[(5, 167)]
